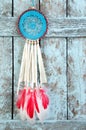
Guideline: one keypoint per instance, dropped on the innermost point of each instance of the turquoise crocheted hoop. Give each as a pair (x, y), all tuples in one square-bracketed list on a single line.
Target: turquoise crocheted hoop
[(32, 24)]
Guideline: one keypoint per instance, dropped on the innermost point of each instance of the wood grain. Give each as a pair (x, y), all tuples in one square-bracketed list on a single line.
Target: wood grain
[(57, 27), (5, 8), (18, 50), (49, 125), (53, 8), (5, 77), (24, 5), (54, 57), (77, 78), (77, 8), (5, 65), (77, 66)]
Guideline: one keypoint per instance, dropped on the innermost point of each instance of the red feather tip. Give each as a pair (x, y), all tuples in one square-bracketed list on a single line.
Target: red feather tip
[(29, 97), (21, 99), (35, 100), (30, 104), (45, 98)]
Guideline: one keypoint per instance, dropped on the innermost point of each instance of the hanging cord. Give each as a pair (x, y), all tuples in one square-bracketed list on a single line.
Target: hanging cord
[(33, 3)]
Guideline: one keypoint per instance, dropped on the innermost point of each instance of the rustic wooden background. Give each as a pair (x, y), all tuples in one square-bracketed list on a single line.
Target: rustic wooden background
[(64, 55)]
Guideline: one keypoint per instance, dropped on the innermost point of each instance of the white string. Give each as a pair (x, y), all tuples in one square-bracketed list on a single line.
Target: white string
[(33, 62), (26, 56), (28, 63), (22, 69), (43, 78), (35, 65), (32, 65), (28, 71)]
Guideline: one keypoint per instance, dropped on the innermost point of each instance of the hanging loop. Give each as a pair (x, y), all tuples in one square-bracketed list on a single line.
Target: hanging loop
[(33, 3)]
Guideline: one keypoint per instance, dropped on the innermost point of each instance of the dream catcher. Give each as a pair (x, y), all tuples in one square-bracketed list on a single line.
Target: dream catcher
[(32, 100)]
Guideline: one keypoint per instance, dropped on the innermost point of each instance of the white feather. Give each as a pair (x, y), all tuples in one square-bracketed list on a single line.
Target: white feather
[(31, 120), (43, 112), (22, 114)]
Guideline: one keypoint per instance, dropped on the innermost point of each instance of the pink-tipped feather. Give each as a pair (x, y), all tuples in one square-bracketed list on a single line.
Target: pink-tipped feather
[(45, 99), (30, 105), (21, 99), (30, 101), (35, 100)]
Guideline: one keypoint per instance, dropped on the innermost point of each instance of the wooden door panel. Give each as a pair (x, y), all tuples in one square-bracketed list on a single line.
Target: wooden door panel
[(5, 66), (77, 78), (54, 56), (76, 66), (76, 8), (48, 125), (64, 59), (53, 8)]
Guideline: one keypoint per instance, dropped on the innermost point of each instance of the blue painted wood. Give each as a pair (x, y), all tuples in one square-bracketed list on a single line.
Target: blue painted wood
[(5, 66), (61, 72), (77, 67)]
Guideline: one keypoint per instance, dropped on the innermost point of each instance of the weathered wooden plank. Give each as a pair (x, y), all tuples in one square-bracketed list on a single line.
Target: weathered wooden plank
[(77, 78), (58, 27), (5, 8), (77, 8), (48, 125), (54, 56), (53, 8), (18, 50), (77, 67), (5, 77), (24, 5), (5, 65), (18, 44)]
